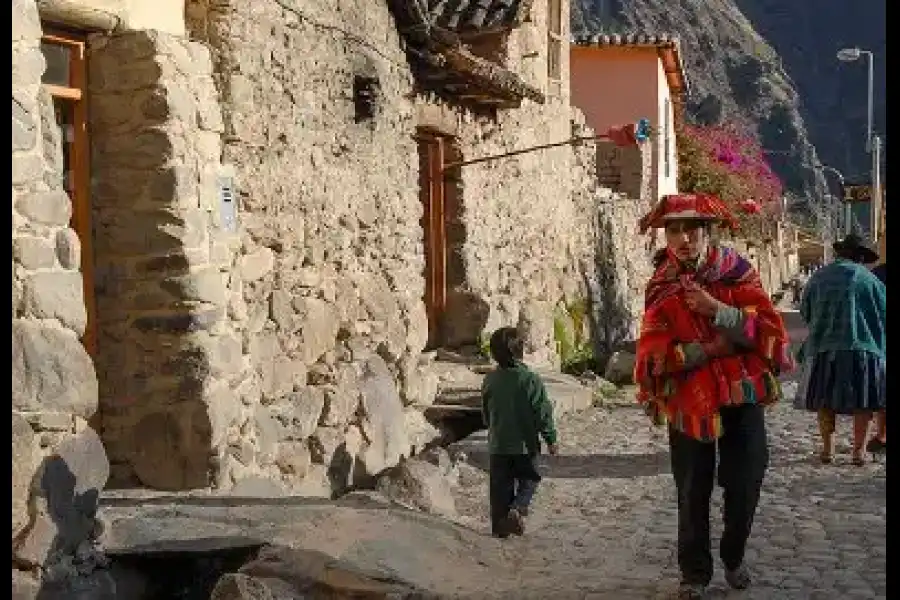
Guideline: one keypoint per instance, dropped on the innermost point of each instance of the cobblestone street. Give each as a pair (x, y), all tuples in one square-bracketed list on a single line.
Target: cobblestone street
[(604, 520), (603, 524)]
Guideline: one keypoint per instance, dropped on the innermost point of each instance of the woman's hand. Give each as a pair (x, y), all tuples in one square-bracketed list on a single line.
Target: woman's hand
[(718, 347), (701, 302)]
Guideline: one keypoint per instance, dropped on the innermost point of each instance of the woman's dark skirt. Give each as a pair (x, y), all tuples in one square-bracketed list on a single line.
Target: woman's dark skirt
[(844, 381)]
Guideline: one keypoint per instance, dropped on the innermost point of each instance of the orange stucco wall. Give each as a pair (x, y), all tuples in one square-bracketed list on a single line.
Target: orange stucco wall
[(615, 86)]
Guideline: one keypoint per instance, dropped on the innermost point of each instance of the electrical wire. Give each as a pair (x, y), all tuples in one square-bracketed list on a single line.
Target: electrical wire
[(353, 37)]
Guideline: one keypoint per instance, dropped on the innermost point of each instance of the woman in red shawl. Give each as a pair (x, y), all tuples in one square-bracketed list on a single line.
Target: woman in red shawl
[(710, 350)]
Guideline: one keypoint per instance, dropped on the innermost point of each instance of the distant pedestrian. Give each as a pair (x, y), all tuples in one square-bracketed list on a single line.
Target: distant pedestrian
[(797, 283), (710, 349), (843, 357), (518, 414)]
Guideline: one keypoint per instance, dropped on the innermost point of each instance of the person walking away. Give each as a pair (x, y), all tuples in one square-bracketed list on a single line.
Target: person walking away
[(710, 349), (843, 357), (797, 283), (878, 444), (517, 413)]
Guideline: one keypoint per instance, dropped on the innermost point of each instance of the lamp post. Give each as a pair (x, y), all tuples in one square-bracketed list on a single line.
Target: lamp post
[(852, 55), (873, 145)]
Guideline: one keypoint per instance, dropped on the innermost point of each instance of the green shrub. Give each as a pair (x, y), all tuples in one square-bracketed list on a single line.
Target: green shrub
[(574, 348), (484, 344)]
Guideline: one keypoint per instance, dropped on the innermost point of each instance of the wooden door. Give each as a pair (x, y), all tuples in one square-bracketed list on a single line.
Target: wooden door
[(66, 79), (432, 193)]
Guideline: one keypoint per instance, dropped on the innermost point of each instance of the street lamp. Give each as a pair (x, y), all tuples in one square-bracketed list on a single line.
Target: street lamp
[(873, 144), (853, 55)]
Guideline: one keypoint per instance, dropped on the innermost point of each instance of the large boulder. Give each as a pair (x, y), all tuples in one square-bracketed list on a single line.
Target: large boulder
[(65, 498), (620, 368), (383, 421), (567, 394), (535, 325), (283, 573), (23, 465), (360, 539), (421, 485), (66, 381)]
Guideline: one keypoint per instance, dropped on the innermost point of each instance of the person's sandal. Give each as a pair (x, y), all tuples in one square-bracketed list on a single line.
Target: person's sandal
[(691, 591), (858, 460), (739, 578)]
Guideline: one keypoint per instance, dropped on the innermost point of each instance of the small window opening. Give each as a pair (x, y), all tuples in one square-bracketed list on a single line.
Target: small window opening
[(366, 93)]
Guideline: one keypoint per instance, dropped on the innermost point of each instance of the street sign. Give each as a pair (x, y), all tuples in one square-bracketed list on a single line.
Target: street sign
[(857, 192)]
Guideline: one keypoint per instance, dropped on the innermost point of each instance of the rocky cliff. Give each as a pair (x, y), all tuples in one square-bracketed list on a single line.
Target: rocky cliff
[(770, 64)]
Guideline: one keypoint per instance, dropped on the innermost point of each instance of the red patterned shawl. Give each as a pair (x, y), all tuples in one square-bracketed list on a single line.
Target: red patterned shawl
[(690, 400)]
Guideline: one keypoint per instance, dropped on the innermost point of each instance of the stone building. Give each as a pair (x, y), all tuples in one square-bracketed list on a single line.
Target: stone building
[(240, 229)]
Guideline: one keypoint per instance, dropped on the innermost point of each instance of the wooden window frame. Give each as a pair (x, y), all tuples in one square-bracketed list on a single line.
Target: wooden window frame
[(554, 40), (79, 192)]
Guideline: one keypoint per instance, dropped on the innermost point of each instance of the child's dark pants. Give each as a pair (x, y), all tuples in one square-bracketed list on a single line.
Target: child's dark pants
[(743, 459), (514, 480)]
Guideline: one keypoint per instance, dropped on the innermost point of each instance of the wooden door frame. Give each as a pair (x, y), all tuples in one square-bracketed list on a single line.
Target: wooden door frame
[(435, 230), (76, 93)]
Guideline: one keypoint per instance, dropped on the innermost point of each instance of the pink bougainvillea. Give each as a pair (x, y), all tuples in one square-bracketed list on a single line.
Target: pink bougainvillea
[(727, 160)]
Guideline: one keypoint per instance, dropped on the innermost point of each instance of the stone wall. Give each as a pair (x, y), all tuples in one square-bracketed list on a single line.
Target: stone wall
[(541, 228), (328, 280), (520, 255), (326, 287), (167, 357), (628, 171), (775, 260), (519, 219), (58, 463), (107, 15), (621, 253), (283, 351)]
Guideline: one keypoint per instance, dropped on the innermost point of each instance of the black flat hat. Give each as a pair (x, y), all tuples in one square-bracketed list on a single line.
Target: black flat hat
[(853, 244)]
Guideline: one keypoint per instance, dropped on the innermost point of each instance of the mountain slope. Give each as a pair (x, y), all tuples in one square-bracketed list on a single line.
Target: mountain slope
[(735, 75), (807, 35)]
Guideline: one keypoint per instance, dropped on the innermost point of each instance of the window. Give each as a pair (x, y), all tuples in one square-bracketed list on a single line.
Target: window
[(366, 91), (66, 79), (667, 139), (554, 40)]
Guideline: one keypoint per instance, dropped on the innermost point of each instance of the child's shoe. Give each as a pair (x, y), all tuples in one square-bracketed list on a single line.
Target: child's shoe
[(516, 521)]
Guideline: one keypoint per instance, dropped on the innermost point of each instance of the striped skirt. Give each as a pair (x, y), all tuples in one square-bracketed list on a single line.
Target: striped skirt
[(844, 381)]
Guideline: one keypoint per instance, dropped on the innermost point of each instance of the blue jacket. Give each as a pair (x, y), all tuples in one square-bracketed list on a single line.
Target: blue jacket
[(844, 307)]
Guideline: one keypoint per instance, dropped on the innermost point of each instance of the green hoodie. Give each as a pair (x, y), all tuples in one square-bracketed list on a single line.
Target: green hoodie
[(516, 411)]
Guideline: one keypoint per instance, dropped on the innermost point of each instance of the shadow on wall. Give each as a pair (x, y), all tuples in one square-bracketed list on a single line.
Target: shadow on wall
[(157, 294), (63, 525), (611, 317)]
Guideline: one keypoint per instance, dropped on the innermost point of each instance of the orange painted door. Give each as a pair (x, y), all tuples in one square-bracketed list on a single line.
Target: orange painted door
[(434, 226)]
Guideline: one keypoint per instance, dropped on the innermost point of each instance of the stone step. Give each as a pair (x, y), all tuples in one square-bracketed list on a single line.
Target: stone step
[(439, 412), (567, 394), (460, 397)]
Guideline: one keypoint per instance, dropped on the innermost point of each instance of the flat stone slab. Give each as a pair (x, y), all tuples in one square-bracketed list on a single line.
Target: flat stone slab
[(461, 386), (425, 551)]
